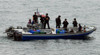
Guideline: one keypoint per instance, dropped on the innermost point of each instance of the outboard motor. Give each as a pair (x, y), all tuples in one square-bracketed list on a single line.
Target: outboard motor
[(17, 36), (19, 27), (10, 31)]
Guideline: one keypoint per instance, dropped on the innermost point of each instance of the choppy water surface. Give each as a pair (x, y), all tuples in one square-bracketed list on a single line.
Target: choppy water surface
[(17, 12)]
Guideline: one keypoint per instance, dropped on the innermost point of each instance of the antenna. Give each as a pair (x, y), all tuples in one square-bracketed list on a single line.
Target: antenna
[(37, 12)]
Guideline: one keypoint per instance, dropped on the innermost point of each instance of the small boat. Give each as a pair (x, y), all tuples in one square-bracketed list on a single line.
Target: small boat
[(23, 34)]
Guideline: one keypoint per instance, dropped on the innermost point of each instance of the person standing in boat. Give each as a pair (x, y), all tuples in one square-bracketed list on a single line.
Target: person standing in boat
[(58, 22), (47, 18), (75, 23), (80, 28), (35, 18), (42, 20), (65, 24)]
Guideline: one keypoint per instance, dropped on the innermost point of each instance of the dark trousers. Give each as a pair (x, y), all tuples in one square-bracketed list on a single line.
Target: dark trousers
[(47, 24), (57, 25), (42, 25), (36, 21), (65, 26), (74, 25)]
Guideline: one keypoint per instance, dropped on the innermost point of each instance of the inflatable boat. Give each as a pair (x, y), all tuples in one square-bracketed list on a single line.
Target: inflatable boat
[(23, 34)]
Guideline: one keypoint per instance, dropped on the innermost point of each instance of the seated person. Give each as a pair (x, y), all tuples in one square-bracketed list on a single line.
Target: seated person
[(72, 31), (29, 22), (84, 29)]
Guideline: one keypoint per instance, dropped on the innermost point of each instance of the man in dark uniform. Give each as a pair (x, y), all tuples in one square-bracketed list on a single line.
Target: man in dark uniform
[(42, 17), (58, 22), (42, 20), (35, 18), (47, 18), (75, 23), (65, 24), (80, 28)]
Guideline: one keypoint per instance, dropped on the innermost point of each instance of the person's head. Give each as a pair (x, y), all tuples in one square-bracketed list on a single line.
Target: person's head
[(59, 16), (74, 18), (65, 19), (35, 13), (79, 24), (29, 19), (46, 14)]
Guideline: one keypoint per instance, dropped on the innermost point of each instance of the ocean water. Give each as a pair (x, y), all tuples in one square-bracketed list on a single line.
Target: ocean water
[(17, 12)]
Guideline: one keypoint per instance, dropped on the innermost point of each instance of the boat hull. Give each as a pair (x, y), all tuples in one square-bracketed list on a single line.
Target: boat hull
[(56, 36), (19, 35)]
